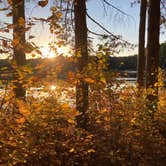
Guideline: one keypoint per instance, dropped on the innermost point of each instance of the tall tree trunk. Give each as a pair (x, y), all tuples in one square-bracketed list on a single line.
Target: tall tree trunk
[(141, 49), (19, 43), (153, 52), (82, 58)]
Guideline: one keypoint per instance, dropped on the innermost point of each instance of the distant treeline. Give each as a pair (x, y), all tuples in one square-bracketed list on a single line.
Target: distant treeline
[(123, 63), (114, 63), (130, 62)]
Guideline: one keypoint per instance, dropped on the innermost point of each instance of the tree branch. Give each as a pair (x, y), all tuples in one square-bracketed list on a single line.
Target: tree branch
[(119, 10), (110, 33), (98, 34)]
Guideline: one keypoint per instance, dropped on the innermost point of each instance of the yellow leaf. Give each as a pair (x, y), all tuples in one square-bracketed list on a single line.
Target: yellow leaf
[(106, 119), (71, 121), (102, 79), (89, 80), (91, 151), (21, 21), (98, 121), (65, 106), (71, 150)]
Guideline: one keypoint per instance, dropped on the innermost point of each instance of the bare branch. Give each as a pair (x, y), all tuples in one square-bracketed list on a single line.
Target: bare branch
[(98, 34), (119, 10), (102, 27)]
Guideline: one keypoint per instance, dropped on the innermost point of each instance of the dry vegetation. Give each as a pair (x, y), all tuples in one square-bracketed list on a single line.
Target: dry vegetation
[(120, 131)]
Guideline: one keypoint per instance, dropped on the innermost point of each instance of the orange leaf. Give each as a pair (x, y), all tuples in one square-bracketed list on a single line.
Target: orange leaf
[(20, 120)]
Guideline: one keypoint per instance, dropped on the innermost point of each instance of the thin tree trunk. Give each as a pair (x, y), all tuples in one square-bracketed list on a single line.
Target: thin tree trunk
[(153, 52), (19, 43), (141, 49), (82, 58)]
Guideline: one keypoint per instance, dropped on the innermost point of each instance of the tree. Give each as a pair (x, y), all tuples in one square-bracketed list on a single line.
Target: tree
[(162, 59), (141, 48), (19, 43), (82, 59), (153, 52)]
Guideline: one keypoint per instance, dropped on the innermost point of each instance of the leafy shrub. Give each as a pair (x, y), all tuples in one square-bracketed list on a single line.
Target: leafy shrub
[(120, 131)]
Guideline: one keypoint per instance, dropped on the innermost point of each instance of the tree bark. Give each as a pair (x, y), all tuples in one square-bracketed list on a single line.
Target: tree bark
[(141, 48), (153, 52), (19, 43), (82, 60)]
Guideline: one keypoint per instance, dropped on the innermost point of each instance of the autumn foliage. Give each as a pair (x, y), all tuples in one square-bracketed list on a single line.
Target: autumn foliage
[(74, 111), (44, 131)]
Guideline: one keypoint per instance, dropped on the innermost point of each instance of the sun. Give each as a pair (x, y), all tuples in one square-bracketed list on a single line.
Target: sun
[(48, 53), (53, 87)]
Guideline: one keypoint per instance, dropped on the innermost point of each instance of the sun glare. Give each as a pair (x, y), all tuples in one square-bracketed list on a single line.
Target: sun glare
[(47, 53), (64, 50), (52, 87)]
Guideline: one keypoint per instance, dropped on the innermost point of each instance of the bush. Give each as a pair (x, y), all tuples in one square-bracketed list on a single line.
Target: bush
[(120, 131)]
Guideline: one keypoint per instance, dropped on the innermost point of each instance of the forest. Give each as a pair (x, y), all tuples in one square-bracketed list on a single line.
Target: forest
[(66, 93)]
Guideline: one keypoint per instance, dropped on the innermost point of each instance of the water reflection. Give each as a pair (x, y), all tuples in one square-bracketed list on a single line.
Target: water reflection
[(53, 87)]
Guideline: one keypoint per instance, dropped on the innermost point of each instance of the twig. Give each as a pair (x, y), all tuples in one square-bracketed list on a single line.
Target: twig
[(114, 7), (110, 33)]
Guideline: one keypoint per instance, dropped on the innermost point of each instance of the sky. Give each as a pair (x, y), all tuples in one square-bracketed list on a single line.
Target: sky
[(117, 23), (127, 27), (114, 21)]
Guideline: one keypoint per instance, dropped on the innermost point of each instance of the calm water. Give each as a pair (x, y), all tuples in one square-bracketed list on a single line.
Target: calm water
[(66, 95)]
